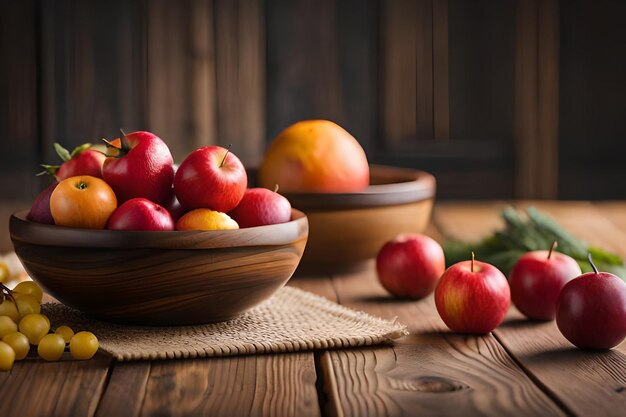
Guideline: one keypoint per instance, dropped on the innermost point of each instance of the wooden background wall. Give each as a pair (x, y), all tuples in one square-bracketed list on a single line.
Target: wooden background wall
[(498, 98)]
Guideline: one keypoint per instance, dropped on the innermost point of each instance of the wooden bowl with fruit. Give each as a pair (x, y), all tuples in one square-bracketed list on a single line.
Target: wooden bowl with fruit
[(127, 238), (160, 278), (353, 208)]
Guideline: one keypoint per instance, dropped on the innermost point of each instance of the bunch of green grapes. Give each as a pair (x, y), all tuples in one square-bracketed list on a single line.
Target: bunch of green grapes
[(23, 325)]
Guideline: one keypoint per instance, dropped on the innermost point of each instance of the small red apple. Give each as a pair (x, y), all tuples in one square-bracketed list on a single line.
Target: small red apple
[(472, 297), (591, 310), (259, 207), (140, 214), (410, 265), (537, 279), (210, 177), (40, 210), (81, 161)]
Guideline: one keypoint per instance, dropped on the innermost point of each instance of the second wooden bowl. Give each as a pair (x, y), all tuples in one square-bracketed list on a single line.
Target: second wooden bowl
[(347, 229), (160, 278)]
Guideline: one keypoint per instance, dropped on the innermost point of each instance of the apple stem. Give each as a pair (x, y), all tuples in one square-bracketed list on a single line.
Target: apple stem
[(592, 264), (552, 248), (276, 188), (225, 155), (472, 264)]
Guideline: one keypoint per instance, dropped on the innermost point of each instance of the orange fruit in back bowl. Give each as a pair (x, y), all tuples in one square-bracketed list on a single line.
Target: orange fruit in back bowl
[(206, 219), (315, 156)]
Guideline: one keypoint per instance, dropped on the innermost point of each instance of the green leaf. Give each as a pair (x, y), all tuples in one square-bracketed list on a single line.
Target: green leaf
[(62, 152), (79, 149)]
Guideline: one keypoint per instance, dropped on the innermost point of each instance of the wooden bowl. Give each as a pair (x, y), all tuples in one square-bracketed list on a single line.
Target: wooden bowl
[(160, 278), (347, 229)]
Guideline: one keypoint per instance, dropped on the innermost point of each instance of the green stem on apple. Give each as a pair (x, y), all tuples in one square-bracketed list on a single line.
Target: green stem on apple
[(552, 248), (472, 264), (225, 155), (593, 266)]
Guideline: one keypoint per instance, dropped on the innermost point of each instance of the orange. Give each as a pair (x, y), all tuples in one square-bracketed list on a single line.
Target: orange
[(315, 156), (84, 201), (206, 219)]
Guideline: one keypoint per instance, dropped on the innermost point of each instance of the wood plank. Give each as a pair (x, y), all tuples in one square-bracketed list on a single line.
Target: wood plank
[(66, 388), (263, 385), (240, 77), (322, 63), (18, 100), (125, 393), (410, 377), (180, 78), (407, 74), (92, 71), (537, 98), (539, 348), (441, 94)]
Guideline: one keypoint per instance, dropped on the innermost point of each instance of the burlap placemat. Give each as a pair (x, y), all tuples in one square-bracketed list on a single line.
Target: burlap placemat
[(292, 320)]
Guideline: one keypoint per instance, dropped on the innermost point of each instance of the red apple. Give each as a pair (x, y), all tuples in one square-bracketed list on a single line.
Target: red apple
[(40, 210), (81, 161), (138, 165), (537, 279), (140, 214), (259, 207), (210, 177), (410, 265), (591, 310), (472, 297)]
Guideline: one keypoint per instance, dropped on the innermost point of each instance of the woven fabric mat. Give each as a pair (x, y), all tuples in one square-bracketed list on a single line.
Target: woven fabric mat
[(292, 320)]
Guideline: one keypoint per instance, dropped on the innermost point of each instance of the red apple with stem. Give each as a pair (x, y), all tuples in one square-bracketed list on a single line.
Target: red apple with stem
[(472, 297), (140, 214), (81, 161), (410, 265), (591, 310), (260, 207), (537, 279), (210, 177), (139, 165)]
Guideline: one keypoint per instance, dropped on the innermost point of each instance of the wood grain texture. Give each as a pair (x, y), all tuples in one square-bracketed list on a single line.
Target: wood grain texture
[(185, 281), (54, 389), (430, 372), (537, 99), (322, 63), (441, 94), (539, 348), (180, 77), (125, 392), (92, 71), (240, 77), (19, 111)]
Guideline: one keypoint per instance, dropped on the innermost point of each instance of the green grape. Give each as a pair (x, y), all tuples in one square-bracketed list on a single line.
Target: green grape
[(7, 308), (19, 343), (29, 288), (27, 304), (7, 325), (65, 332), (83, 345), (7, 357), (51, 347), (34, 326)]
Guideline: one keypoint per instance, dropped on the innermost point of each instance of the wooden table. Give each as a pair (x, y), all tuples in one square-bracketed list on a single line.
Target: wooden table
[(522, 368)]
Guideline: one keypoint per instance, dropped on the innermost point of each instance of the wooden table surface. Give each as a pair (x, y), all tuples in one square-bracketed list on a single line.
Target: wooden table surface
[(521, 369)]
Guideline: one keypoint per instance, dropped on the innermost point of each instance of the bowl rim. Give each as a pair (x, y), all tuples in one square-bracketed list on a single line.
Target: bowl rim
[(417, 186), (25, 231)]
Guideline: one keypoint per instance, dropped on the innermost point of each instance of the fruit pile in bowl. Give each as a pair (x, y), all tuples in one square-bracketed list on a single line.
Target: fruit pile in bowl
[(125, 237), (353, 208)]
